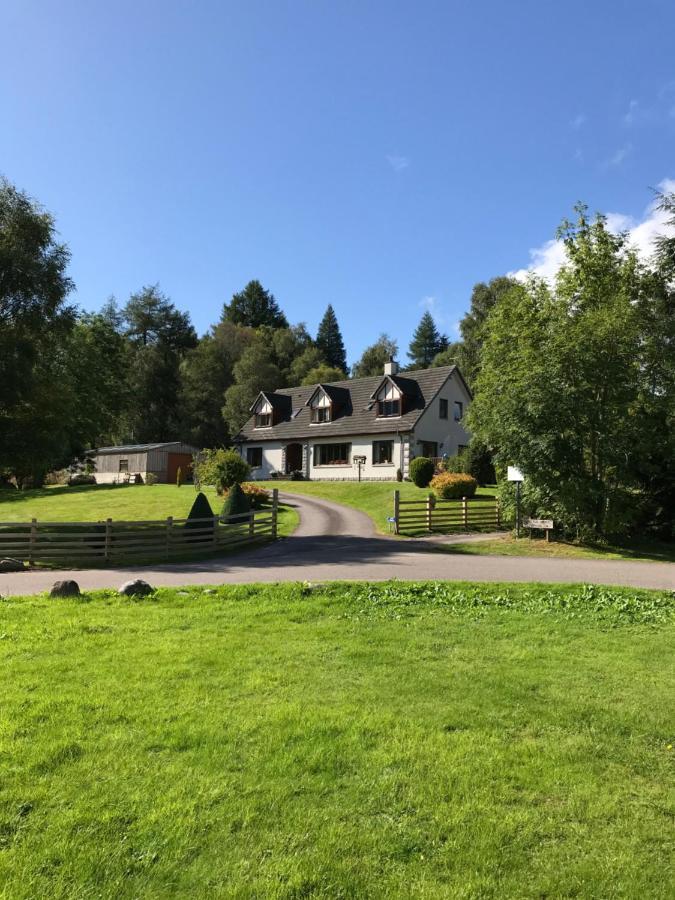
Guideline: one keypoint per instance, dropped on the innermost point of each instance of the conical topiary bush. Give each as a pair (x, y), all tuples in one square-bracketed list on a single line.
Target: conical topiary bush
[(201, 509), (236, 502)]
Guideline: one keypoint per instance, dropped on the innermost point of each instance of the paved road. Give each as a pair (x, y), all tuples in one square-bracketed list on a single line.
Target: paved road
[(334, 542)]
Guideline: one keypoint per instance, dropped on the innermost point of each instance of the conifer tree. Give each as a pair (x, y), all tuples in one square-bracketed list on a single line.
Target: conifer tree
[(329, 341), (254, 306), (426, 343)]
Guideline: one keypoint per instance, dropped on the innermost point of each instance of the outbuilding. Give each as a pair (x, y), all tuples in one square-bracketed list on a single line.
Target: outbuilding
[(119, 465)]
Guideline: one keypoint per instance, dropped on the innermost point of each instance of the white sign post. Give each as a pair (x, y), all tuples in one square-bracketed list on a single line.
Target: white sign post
[(514, 474), (359, 461)]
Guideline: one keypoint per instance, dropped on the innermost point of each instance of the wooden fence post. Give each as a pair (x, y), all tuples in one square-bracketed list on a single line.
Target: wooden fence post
[(108, 536), (169, 528), (251, 523), (430, 507), (275, 511), (465, 514), (397, 501), (33, 539)]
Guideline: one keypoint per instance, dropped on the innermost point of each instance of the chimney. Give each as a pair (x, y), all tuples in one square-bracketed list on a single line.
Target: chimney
[(391, 367)]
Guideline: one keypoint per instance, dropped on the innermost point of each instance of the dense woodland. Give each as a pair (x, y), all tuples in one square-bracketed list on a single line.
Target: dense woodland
[(574, 381)]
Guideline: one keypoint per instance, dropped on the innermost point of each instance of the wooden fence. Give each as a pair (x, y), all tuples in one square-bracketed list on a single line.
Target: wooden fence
[(116, 541), (429, 514)]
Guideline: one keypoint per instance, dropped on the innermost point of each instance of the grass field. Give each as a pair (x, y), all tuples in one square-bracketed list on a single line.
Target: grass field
[(424, 741), (508, 545), (375, 498), (92, 503)]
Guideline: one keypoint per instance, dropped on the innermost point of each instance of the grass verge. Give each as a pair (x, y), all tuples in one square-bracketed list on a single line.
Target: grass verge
[(282, 741), (508, 545)]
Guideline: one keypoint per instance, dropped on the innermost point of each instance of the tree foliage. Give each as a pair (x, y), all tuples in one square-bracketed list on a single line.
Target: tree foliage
[(254, 307), (426, 343), (562, 372), (374, 357), (329, 341)]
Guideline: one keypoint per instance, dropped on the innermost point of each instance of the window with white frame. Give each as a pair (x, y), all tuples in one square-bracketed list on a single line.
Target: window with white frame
[(388, 401), (332, 454), (321, 408), (383, 453), (263, 414)]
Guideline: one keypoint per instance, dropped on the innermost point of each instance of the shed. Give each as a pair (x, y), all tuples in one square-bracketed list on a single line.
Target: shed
[(124, 463)]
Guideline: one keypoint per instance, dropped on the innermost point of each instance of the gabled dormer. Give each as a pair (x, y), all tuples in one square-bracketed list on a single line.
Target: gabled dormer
[(269, 409), (388, 399), (320, 406)]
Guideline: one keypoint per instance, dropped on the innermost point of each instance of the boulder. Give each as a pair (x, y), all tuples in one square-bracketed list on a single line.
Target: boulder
[(65, 589), (11, 565), (136, 588)]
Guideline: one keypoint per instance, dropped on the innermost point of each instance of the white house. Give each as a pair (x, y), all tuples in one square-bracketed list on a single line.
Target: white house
[(365, 426)]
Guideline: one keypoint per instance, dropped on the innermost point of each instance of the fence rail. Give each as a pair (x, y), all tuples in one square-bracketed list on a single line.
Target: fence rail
[(429, 514), (116, 541)]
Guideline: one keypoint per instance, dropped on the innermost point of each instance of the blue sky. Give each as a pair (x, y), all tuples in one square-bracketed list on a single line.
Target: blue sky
[(380, 156)]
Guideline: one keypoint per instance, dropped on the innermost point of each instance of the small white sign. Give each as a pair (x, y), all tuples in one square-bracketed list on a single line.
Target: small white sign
[(542, 524), (514, 474), (359, 459)]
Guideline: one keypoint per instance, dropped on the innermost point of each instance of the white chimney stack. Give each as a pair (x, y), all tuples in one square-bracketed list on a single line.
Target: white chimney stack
[(391, 367)]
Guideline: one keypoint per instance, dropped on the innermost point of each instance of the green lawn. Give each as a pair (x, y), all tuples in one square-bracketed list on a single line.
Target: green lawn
[(508, 545), (375, 498), (427, 741), (92, 503)]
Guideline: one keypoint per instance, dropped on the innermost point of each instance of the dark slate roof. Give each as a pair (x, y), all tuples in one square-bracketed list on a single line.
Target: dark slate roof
[(141, 448), (357, 413)]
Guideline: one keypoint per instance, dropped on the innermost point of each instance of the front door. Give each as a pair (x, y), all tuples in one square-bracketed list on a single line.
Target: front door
[(293, 458)]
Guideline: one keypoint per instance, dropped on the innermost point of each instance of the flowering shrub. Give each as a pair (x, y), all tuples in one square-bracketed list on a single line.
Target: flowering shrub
[(256, 494), (453, 485)]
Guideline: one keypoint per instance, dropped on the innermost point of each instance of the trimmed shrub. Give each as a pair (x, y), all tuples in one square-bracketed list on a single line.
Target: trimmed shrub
[(236, 502), (455, 464), (150, 478), (257, 495), (422, 471), (399, 475), (179, 477), (453, 485), (201, 509)]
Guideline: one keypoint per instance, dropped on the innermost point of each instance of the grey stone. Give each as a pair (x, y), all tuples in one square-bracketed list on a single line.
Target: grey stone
[(137, 588), (11, 565), (65, 589)]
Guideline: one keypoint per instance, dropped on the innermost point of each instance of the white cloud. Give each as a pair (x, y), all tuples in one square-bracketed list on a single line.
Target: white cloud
[(549, 257), (620, 156), (398, 163), (632, 114), (578, 121)]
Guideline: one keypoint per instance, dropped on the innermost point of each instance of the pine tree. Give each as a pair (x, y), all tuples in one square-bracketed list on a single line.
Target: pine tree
[(426, 343), (254, 306), (329, 341)]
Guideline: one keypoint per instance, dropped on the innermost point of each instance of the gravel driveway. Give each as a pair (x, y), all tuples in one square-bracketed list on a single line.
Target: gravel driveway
[(335, 542)]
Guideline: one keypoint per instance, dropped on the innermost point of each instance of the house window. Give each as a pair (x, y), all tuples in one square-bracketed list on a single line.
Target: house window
[(332, 454), (263, 420), (383, 453), (430, 449), (443, 409), (254, 457), (320, 414), (459, 410), (389, 408), (124, 465)]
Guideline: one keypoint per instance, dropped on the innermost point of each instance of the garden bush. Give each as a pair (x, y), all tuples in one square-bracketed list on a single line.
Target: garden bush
[(455, 464), (257, 495), (236, 502), (81, 478), (453, 485), (201, 509), (179, 477), (150, 478), (221, 468), (422, 471)]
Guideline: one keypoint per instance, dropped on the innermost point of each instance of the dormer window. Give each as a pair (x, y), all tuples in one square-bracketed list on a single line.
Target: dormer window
[(263, 413), (388, 400), (321, 407)]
